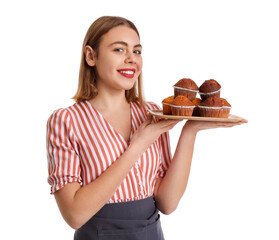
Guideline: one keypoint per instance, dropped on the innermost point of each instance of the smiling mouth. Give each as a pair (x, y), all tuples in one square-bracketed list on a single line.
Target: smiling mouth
[(128, 73)]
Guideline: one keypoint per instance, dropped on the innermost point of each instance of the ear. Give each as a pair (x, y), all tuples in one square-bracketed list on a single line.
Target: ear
[(90, 56)]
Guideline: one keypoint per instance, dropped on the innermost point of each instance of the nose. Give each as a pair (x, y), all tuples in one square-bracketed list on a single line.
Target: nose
[(130, 57)]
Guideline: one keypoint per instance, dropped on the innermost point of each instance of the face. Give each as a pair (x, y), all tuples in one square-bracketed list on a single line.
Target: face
[(119, 60)]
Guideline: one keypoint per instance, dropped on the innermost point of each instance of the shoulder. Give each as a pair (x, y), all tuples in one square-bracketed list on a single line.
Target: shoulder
[(68, 110), (146, 106), (62, 115), (152, 106), (141, 110), (59, 113)]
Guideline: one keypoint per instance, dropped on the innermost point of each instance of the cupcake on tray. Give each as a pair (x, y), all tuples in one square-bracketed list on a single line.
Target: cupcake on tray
[(167, 105), (186, 87), (211, 107), (226, 108), (209, 88), (196, 101), (182, 106)]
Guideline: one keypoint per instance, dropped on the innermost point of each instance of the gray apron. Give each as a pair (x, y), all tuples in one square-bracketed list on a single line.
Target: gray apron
[(134, 220)]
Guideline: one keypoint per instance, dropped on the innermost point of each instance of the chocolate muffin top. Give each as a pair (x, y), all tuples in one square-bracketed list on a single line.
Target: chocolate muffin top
[(212, 102), (209, 86), (182, 101), (187, 83)]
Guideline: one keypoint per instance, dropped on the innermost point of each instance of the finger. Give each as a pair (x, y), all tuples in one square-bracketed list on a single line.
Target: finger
[(170, 126), (229, 124), (244, 120), (164, 123), (167, 124), (147, 121), (212, 125)]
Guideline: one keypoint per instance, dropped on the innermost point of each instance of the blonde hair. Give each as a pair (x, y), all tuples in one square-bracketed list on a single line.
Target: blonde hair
[(87, 75)]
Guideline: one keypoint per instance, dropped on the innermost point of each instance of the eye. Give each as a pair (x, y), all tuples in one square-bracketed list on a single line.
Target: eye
[(118, 50), (138, 52)]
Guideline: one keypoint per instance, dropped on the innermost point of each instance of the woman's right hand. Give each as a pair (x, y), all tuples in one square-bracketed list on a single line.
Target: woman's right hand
[(150, 131)]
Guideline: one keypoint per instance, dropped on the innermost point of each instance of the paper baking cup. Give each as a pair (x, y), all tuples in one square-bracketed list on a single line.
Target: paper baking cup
[(182, 110), (225, 112), (210, 111), (207, 95), (189, 93), (196, 111), (219, 112), (166, 108)]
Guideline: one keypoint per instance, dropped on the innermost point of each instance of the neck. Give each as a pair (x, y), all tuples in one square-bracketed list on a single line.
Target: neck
[(109, 101)]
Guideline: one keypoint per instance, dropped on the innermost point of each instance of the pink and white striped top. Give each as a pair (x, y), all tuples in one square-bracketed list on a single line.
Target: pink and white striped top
[(81, 145)]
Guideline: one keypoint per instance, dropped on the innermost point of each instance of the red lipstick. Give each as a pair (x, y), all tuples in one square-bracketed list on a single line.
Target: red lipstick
[(127, 72)]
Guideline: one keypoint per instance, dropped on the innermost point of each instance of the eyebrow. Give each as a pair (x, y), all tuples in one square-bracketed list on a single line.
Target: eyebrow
[(124, 43)]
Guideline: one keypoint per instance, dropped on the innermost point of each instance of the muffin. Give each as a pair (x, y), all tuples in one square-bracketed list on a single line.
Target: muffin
[(166, 105), (186, 87), (196, 101), (225, 102), (209, 88), (182, 106), (211, 107), (226, 108)]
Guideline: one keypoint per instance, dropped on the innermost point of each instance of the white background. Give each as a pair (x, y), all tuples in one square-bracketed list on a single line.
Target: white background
[(233, 188)]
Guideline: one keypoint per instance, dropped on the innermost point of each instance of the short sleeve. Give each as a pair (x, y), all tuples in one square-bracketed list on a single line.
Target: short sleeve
[(63, 160), (164, 145)]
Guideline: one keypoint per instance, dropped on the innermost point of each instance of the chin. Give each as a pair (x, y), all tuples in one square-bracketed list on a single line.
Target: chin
[(127, 89), (128, 86)]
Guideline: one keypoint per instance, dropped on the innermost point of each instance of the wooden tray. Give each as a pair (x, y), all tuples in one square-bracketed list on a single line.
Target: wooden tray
[(231, 118)]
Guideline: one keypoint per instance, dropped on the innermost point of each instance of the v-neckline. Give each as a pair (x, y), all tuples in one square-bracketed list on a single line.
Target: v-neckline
[(108, 123)]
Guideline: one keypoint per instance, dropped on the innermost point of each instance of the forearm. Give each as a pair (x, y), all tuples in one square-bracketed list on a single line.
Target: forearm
[(80, 204), (174, 183)]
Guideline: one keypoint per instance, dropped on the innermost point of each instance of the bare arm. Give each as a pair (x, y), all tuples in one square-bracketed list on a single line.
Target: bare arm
[(170, 188), (78, 204)]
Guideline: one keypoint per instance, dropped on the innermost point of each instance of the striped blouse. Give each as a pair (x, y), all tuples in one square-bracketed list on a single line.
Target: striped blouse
[(81, 145)]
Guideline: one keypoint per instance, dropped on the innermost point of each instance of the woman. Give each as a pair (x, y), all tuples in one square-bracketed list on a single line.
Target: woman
[(110, 166)]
